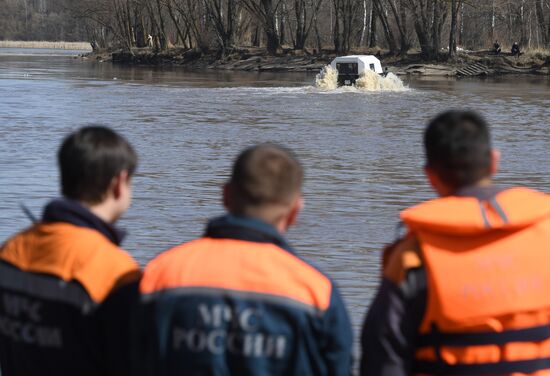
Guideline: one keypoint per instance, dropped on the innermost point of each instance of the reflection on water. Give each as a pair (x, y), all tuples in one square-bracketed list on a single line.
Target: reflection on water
[(361, 151)]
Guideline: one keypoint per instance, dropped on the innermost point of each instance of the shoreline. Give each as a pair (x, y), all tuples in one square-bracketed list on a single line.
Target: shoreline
[(61, 45), (470, 64)]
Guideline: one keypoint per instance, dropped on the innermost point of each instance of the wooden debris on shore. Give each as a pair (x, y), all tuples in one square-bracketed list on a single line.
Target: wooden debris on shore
[(474, 70), (427, 70)]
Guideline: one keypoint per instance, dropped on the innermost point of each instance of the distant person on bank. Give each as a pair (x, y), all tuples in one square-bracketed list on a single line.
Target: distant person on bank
[(239, 300), (65, 285), (467, 290), (496, 48), (515, 49)]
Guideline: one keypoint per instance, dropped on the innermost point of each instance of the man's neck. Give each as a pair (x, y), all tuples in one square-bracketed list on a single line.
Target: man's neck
[(279, 224), (102, 210), (484, 183)]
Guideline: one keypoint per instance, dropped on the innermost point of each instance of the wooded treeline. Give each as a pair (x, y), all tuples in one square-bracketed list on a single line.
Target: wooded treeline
[(39, 20), (433, 26)]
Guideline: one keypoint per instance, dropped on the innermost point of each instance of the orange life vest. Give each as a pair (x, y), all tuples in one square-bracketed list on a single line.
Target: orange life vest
[(488, 272)]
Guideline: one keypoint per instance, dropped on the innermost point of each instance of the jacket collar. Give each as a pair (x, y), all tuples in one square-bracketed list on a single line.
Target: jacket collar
[(69, 211), (239, 227), (479, 212), (481, 193)]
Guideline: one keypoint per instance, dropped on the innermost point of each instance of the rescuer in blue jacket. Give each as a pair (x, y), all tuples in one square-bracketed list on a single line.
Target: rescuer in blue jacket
[(239, 300)]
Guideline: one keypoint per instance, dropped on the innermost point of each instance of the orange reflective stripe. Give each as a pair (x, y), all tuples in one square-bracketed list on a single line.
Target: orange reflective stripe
[(241, 266), (71, 253)]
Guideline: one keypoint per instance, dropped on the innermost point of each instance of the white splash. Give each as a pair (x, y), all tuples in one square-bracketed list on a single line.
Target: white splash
[(327, 79), (372, 81)]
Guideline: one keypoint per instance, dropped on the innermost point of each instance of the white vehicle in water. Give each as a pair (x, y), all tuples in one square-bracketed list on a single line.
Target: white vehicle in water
[(351, 67)]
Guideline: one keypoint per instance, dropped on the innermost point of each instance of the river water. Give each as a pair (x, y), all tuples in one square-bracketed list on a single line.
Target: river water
[(361, 151)]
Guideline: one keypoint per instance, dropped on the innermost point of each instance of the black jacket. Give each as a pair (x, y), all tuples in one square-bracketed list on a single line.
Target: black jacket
[(66, 291)]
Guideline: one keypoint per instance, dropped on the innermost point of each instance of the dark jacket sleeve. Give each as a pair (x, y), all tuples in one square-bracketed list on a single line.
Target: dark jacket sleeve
[(338, 340), (390, 328), (116, 330)]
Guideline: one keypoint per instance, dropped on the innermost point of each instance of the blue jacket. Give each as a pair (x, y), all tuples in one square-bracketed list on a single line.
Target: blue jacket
[(239, 301)]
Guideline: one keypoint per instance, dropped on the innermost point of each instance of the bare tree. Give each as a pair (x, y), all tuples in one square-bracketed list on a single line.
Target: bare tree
[(429, 18), (305, 13), (265, 12), (455, 6), (543, 22), (223, 15), (344, 19)]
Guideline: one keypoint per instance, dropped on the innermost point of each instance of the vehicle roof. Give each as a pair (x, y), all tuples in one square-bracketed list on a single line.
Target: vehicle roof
[(359, 57)]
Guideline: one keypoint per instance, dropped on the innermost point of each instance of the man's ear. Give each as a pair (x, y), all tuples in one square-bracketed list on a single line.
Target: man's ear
[(118, 182), (226, 196), (432, 177), (295, 211), (495, 161), (436, 183)]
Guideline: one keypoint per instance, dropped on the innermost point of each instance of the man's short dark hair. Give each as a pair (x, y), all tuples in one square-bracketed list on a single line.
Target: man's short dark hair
[(458, 148), (264, 174), (88, 161)]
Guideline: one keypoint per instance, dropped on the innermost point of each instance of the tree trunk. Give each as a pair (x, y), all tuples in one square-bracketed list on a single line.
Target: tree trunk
[(372, 29), (455, 4), (388, 33), (461, 32), (401, 22), (318, 36), (265, 12), (336, 26), (164, 42), (231, 18), (299, 12), (364, 27), (282, 24), (543, 27), (256, 36), (175, 21)]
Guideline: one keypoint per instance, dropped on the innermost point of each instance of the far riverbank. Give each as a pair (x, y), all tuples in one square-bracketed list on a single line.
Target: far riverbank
[(478, 63), (83, 46)]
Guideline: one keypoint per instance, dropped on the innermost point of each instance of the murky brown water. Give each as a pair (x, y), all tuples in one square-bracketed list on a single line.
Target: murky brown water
[(361, 151)]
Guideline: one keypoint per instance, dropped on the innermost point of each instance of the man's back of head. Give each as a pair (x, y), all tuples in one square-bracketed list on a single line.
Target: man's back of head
[(89, 159), (265, 184), (96, 165), (458, 150)]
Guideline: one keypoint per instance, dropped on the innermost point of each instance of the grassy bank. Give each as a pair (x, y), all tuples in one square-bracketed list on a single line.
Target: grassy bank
[(45, 44)]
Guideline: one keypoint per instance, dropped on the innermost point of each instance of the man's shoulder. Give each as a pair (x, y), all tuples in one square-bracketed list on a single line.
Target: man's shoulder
[(87, 244), (228, 264), (58, 243), (72, 253), (400, 257)]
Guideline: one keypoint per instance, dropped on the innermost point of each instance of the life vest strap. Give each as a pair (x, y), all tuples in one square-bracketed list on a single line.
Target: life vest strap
[(498, 368), (438, 338)]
